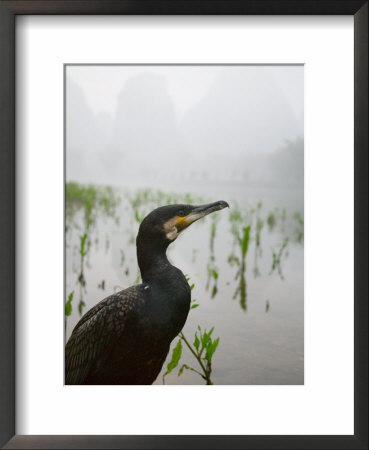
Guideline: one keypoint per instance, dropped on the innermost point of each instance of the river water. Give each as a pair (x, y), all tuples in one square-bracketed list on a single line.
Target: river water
[(258, 312)]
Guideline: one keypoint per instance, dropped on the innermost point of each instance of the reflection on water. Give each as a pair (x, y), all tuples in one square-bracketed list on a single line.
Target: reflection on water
[(245, 268)]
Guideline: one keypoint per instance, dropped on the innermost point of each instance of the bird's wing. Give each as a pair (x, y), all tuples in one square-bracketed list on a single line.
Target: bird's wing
[(96, 332)]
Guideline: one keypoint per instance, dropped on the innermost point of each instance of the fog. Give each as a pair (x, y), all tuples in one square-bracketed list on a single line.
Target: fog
[(155, 125)]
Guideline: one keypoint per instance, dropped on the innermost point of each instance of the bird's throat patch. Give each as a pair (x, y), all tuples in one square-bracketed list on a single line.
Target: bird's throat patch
[(173, 227)]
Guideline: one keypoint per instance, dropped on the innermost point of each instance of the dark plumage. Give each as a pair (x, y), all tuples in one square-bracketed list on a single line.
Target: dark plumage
[(125, 338)]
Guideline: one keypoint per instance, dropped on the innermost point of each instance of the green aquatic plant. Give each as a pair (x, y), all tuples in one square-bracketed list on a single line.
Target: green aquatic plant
[(203, 349), (194, 303), (83, 251), (271, 220), (138, 277), (244, 242), (236, 218), (276, 218), (90, 201), (277, 258), (68, 308), (241, 291), (299, 227), (68, 304), (258, 251), (267, 306), (283, 219), (241, 240), (212, 278), (176, 356), (139, 216), (212, 269), (214, 219)]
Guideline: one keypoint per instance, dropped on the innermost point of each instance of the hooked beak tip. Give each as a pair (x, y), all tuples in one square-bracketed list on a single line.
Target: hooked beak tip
[(223, 204), (204, 210)]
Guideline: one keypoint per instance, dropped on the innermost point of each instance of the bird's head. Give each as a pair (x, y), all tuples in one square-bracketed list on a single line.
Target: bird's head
[(164, 224)]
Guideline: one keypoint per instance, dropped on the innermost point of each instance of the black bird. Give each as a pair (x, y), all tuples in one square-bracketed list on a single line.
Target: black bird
[(125, 338)]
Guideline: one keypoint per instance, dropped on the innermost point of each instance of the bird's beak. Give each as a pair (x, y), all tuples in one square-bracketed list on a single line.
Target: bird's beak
[(198, 212)]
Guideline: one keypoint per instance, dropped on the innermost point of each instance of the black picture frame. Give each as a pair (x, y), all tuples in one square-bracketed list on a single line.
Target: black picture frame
[(8, 11)]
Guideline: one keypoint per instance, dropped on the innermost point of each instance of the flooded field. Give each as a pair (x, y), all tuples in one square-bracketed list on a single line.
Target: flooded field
[(245, 266)]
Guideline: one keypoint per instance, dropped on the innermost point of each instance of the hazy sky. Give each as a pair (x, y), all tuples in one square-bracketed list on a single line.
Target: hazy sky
[(146, 123), (102, 84)]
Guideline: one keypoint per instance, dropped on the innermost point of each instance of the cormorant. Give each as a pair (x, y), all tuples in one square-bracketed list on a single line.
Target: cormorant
[(125, 338)]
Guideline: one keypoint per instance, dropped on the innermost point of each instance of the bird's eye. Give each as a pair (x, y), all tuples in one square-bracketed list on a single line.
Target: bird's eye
[(181, 213)]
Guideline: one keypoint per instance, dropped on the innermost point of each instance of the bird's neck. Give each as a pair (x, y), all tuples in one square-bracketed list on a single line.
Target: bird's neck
[(152, 260)]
